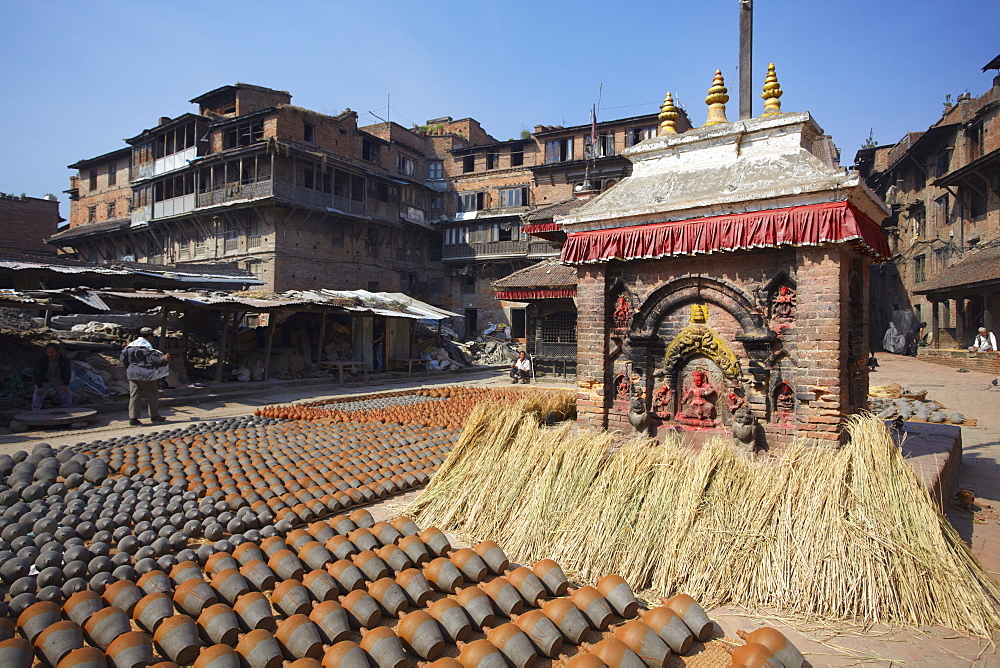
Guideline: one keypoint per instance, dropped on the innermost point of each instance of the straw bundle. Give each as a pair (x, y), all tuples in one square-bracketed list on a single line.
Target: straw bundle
[(822, 533)]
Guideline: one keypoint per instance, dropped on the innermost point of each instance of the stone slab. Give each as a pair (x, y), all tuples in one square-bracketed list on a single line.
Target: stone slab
[(55, 417), (935, 453)]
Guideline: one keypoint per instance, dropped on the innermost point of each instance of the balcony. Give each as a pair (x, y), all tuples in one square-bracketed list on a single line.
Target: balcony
[(174, 161), (322, 200), (485, 249), (234, 192), (541, 249), (174, 206)]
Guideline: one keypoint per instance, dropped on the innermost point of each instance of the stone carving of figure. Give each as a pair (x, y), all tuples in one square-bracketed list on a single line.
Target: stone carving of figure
[(662, 401), (623, 387), (735, 401), (784, 403), (637, 415), (746, 430), (784, 303), (622, 315), (698, 402)]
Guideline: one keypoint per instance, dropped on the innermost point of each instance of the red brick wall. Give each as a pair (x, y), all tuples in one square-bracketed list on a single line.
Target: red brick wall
[(26, 223), (99, 197)]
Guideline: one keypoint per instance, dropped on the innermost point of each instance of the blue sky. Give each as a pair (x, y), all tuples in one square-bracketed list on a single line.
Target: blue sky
[(79, 77)]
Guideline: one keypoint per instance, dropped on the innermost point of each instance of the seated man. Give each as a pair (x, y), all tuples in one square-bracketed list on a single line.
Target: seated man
[(52, 374), (984, 341), (521, 369)]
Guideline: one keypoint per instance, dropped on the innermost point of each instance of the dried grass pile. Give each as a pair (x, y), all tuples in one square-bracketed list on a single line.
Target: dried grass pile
[(819, 533)]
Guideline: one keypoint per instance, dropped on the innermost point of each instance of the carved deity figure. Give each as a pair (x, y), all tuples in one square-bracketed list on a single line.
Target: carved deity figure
[(662, 401), (784, 402), (784, 303), (623, 387), (698, 402), (622, 316), (735, 401)]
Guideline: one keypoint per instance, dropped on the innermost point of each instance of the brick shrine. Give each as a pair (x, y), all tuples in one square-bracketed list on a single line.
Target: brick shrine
[(728, 275)]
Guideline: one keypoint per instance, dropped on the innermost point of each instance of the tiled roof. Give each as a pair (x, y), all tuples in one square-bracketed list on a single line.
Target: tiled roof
[(90, 228), (557, 209), (977, 268), (547, 273)]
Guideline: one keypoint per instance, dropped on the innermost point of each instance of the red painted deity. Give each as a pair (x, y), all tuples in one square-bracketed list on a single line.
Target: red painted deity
[(698, 402)]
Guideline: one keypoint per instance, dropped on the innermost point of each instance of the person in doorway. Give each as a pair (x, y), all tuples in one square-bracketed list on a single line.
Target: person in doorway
[(378, 343), (520, 370), (984, 341), (144, 367), (52, 374)]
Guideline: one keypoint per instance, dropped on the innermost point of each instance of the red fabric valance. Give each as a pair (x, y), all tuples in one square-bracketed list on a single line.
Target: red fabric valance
[(535, 228), (521, 295), (809, 225)]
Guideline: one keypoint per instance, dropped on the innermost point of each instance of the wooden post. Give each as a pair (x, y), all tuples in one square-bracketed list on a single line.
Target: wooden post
[(935, 329), (48, 317), (271, 317), (162, 340), (960, 323), (322, 335), (222, 345), (746, 58)]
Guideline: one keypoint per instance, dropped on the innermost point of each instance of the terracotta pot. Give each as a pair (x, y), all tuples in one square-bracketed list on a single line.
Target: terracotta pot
[(594, 607), (370, 564), (347, 575), (362, 609), (619, 595), (514, 644), (552, 577), (528, 585), (105, 625), (78, 607), (493, 556), (254, 612), (444, 575), (85, 657), (123, 594), (544, 634), (17, 653), (405, 526), (152, 609), (421, 634), (386, 533), (155, 581), (193, 596), (415, 549), (321, 585), (300, 638), (435, 540), (259, 649), (504, 596), (778, 643), (259, 575), (585, 660), (417, 589), (452, 618), (692, 614), (331, 621), (186, 570), (221, 561), (340, 547), (384, 648), (130, 650), (286, 565), (218, 656), (342, 524), (478, 606), (391, 597), (219, 624), (445, 662), (615, 653), (39, 616), (345, 654), (177, 638), (481, 654), (567, 617), (229, 584), (754, 655), (471, 564), (291, 598), (669, 627), (396, 558), (644, 641)]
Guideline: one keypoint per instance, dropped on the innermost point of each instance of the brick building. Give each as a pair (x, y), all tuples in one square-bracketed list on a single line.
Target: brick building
[(299, 198), (943, 187), (26, 222)]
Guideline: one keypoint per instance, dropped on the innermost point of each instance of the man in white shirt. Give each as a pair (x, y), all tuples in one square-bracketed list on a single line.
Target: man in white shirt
[(521, 369), (984, 341)]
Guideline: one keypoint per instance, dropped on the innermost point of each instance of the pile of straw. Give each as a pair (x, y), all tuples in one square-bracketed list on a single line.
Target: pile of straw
[(820, 533)]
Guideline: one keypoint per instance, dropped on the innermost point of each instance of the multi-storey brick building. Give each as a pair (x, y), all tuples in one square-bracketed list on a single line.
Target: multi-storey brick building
[(26, 222), (299, 198), (944, 231)]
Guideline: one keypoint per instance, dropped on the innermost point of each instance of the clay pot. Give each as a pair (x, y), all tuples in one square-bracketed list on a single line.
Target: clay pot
[(184, 571), (670, 627), (247, 552), (594, 607), (347, 575), (619, 595), (321, 531), (478, 606), (481, 654), (155, 581), (254, 612), (504, 595), (79, 607), (444, 575), (221, 561), (342, 524), (300, 638), (585, 660), (405, 526), (514, 644), (552, 577), (291, 598), (644, 641), (105, 625), (692, 614), (123, 594), (362, 609), (85, 657), (567, 617), (340, 547), (7, 628), (396, 558), (259, 575), (218, 656), (37, 617), (543, 633), (384, 647), (219, 624), (754, 655), (778, 643), (386, 533), (230, 584), (315, 555), (493, 556), (528, 585), (435, 540), (272, 545), (259, 649), (452, 618), (194, 595), (131, 650), (321, 585), (331, 621), (417, 589), (297, 539), (345, 654), (390, 596), (16, 653), (415, 549), (362, 518), (445, 662), (286, 565), (370, 564), (420, 632), (471, 564), (177, 638), (614, 652), (152, 609)]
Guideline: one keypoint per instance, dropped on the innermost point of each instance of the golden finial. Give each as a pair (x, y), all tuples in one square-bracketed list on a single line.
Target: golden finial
[(718, 95), (699, 314), (668, 116), (772, 91)]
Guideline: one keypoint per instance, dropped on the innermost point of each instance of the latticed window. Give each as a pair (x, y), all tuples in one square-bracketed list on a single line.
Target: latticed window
[(558, 327)]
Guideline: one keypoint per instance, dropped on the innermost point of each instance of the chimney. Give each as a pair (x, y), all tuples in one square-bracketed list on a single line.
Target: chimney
[(163, 120)]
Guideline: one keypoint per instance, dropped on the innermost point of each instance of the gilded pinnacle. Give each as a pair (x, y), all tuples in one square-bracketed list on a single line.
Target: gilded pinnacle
[(668, 116), (772, 91), (718, 95)]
